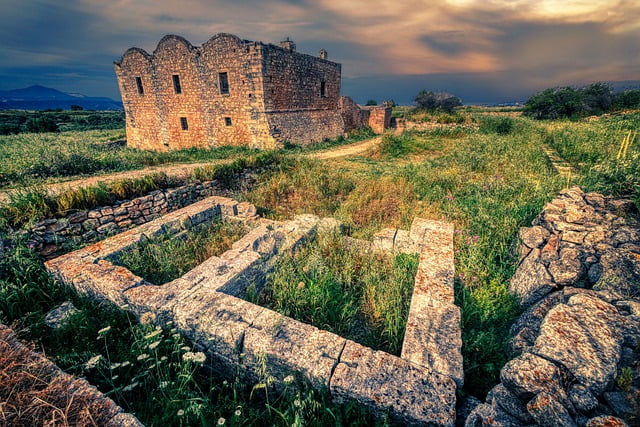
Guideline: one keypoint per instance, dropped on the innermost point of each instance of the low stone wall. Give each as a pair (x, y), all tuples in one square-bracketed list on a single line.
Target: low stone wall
[(206, 305), (48, 236), (58, 392), (576, 345)]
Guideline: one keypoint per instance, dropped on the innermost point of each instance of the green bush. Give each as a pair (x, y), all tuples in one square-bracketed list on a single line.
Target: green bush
[(499, 125), (437, 101), (40, 125), (555, 103)]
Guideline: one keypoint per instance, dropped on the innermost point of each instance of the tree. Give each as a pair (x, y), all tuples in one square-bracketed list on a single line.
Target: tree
[(598, 98), (554, 103), (627, 99), (437, 101), (76, 107), (371, 102)]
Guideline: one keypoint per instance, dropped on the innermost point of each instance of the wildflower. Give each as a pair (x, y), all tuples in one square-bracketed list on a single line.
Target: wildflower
[(180, 412), (163, 358), (104, 330), (125, 363), (115, 366), (449, 197), (198, 357), (130, 386), (153, 345), (115, 377), (221, 421), (31, 245), (461, 275), (185, 348), (143, 356), (288, 379), (297, 403), (153, 334), (225, 382), (164, 384), (124, 307), (91, 363), (474, 278), (301, 285), (238, 411)]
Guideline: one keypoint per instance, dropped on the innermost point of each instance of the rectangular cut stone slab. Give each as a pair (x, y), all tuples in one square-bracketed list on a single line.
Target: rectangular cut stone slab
[(433, 337), (412, 394), (284, 346), (383, 240)]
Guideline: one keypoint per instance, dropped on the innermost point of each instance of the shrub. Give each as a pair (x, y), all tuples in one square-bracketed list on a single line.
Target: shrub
[(371, 102), (499, 125), (437, 101), (40, 124), (554, 103), (627, 99)]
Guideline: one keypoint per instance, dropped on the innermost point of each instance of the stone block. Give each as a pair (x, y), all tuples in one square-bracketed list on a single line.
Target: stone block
[(383, 240), (412, 395), (284, 346), (532, 281), (433, 337)]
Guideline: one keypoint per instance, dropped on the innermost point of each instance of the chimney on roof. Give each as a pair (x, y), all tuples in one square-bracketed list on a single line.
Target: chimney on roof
[(323, 54), (288, 45)]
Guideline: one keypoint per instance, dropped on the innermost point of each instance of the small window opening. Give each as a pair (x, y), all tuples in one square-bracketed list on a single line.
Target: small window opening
[(224, 83), (176, 84), (227, 121), (323, 88), (184, 123), (139, 85)]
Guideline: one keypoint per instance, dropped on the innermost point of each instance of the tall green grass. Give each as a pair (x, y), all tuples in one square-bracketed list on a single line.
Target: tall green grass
[(28, 158), (166, 258), (361, 296)]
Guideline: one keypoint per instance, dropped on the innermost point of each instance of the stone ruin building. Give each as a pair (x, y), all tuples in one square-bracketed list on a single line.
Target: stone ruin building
[(231, 91)]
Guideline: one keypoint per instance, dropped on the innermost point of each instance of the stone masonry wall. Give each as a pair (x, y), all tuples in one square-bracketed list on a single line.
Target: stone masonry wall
[(264, 81), (49, 236), (576, 346)]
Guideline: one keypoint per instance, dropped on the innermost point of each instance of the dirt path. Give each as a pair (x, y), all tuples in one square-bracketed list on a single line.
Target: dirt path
[(176, 170), (185, 169), (346, 150)]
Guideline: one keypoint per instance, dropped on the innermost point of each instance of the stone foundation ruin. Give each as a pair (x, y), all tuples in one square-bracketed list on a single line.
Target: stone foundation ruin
[(206, 304)]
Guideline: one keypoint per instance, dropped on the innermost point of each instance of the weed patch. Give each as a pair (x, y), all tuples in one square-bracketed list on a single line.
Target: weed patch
[(164, 259), (360, 296)]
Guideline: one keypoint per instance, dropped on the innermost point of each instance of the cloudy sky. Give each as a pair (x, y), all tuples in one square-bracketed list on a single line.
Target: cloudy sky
[(483, 50)]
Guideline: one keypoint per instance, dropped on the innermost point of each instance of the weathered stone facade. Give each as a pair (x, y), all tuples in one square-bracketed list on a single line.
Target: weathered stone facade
[(232, 92)]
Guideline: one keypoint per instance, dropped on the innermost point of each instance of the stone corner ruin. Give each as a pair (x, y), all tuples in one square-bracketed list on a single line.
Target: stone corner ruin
[(206, 305), (230, 91)]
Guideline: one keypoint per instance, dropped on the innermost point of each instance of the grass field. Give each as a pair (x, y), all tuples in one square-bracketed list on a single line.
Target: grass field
[(488, 180)]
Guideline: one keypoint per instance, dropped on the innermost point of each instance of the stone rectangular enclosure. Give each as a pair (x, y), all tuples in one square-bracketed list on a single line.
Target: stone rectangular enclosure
[(207, 306)]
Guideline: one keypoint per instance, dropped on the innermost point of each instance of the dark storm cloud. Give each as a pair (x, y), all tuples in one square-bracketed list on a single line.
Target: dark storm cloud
[(491, 48)]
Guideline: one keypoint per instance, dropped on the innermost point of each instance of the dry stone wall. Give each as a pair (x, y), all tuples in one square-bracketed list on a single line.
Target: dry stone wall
[(206, 305), (577, 343), (49, 236)]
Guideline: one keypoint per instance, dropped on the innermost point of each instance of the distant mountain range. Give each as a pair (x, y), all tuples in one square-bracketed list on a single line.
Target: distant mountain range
[(42, 98)]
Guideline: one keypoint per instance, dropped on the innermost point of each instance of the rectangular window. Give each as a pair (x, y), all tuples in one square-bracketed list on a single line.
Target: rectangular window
[(223, 79), (184, 123), (227, 121), (323, 88), (139, 84), (176, 84)]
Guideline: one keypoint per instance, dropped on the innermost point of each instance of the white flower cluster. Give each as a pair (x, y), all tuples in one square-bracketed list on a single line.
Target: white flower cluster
[(198, 357)]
